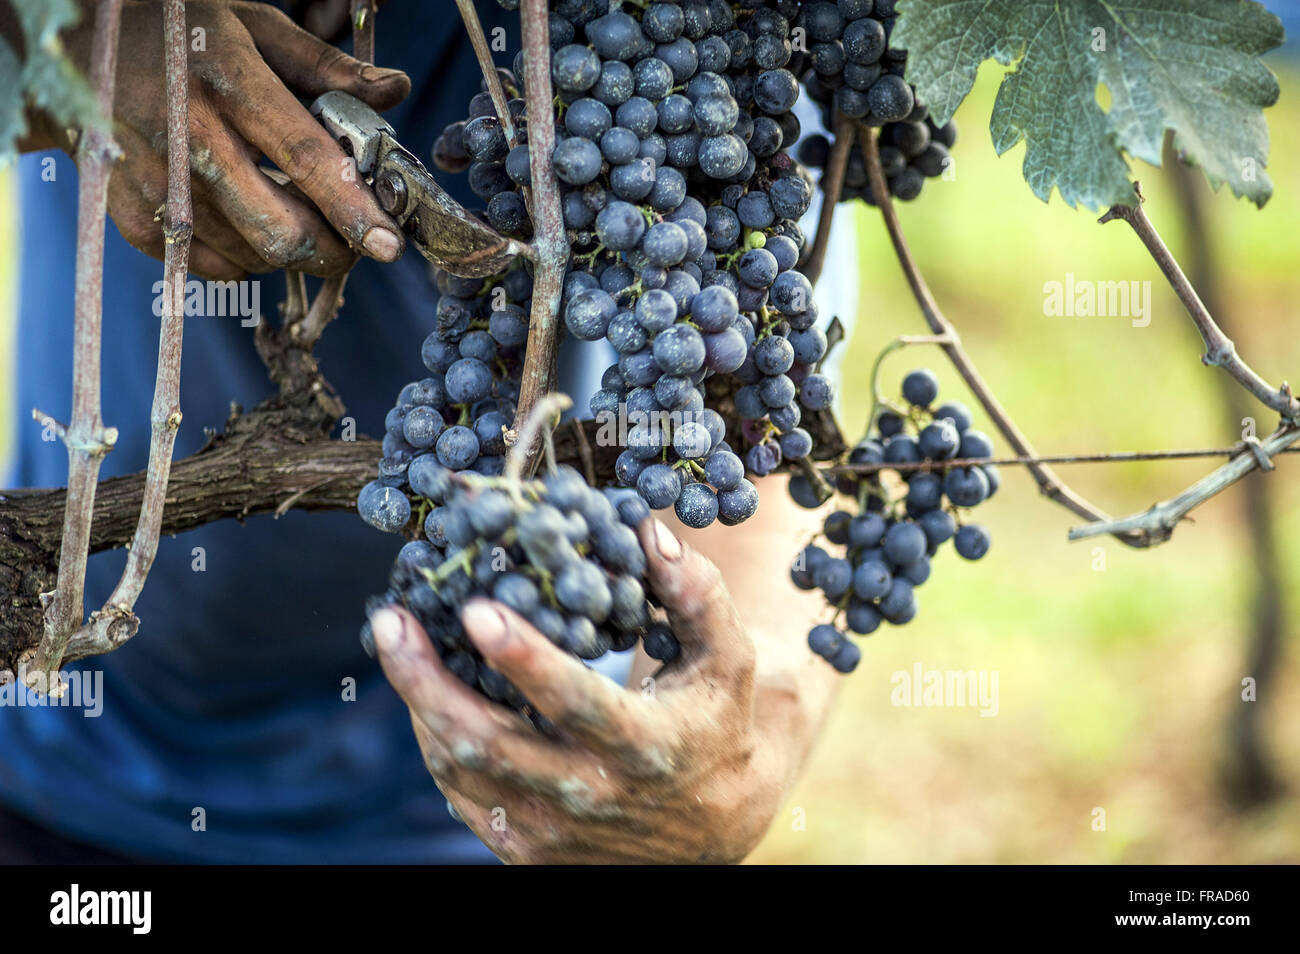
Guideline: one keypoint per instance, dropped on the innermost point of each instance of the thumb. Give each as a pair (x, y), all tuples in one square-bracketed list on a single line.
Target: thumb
[(310, 66)]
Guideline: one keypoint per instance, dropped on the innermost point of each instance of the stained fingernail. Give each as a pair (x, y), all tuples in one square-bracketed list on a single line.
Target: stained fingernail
[(386, 626), (669, 547), (377, 74), (487, 626), (382, 244)]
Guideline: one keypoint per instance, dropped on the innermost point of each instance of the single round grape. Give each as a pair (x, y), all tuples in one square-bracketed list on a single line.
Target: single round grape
[(966, 486), (697, 506), (588, 314), (664, 244), (921, 387), (384, 508), (577, 161), (797, 444), (722, 157), (679, 350), (809, 345), (633, 180), (890, 98), (971, 541), (774, 355), (659, 486), (957, 412), (862, 618), (757, 268), (588, 119), (939, 440), (457, 447), (816, 392), (468, 381), (778, 391), (618, 145), (775, 91), (974, 445), (725, 351), (620, 225), (902, 449), (575, 69), (825, 640), (615, 85), (737, 504), (421, 426)]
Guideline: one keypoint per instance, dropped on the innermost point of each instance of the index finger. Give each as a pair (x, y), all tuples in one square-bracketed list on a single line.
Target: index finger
[(266, 114), (579, 700)]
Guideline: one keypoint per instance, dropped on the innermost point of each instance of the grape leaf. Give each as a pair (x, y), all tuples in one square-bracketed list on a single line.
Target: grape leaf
[(47, 80), (1188, 65)]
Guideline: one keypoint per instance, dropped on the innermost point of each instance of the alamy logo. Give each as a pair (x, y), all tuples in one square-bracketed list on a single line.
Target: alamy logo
[(947, 688), (215, 300), (79, 689), (1088, 299), (132, 908), (636, 428)]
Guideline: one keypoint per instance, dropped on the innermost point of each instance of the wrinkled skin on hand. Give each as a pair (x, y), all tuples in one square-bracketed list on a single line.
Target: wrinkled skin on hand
[(244, 88), (678, 772)]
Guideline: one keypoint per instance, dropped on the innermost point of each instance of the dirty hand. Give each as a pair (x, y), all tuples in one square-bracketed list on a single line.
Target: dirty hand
[(245, 78), (679, 772)]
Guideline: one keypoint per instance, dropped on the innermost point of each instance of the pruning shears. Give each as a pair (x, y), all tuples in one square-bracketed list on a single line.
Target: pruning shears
[(439, 226)]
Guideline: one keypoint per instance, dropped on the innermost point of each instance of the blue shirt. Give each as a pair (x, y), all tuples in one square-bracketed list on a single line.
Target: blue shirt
[(230, 699)]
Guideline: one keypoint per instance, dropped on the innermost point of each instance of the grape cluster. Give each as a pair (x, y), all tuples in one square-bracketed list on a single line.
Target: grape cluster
[(563, 556), (902, 518), (456, 418), (850, 69), (681, 204)]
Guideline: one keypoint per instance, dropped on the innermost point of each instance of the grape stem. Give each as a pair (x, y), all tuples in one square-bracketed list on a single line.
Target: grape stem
[(86, 438), (902, 341), (1050, 485), (1219, 349), (832, 184), (538, 423), (584, 451), (550, 241), (363, 30), (490, 75)]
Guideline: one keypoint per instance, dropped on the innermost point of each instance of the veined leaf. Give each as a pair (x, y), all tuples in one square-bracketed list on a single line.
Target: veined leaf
[(1192, 66)]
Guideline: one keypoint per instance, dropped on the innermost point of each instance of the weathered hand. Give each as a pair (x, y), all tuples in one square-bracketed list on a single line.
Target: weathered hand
[(679, 772), (250, 56)]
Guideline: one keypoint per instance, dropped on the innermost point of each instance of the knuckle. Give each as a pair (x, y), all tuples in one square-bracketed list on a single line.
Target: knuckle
[(286, 246), (302, 158), (649, 761), (468, 753)]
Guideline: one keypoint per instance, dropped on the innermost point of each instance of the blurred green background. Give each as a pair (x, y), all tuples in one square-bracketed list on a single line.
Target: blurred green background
[(1117, 686)]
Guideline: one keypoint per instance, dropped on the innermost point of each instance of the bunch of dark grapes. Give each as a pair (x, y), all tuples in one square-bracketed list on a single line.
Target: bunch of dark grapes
[(455, 419), (902, 518), (850, 68), (681, 205), (563, 556)]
